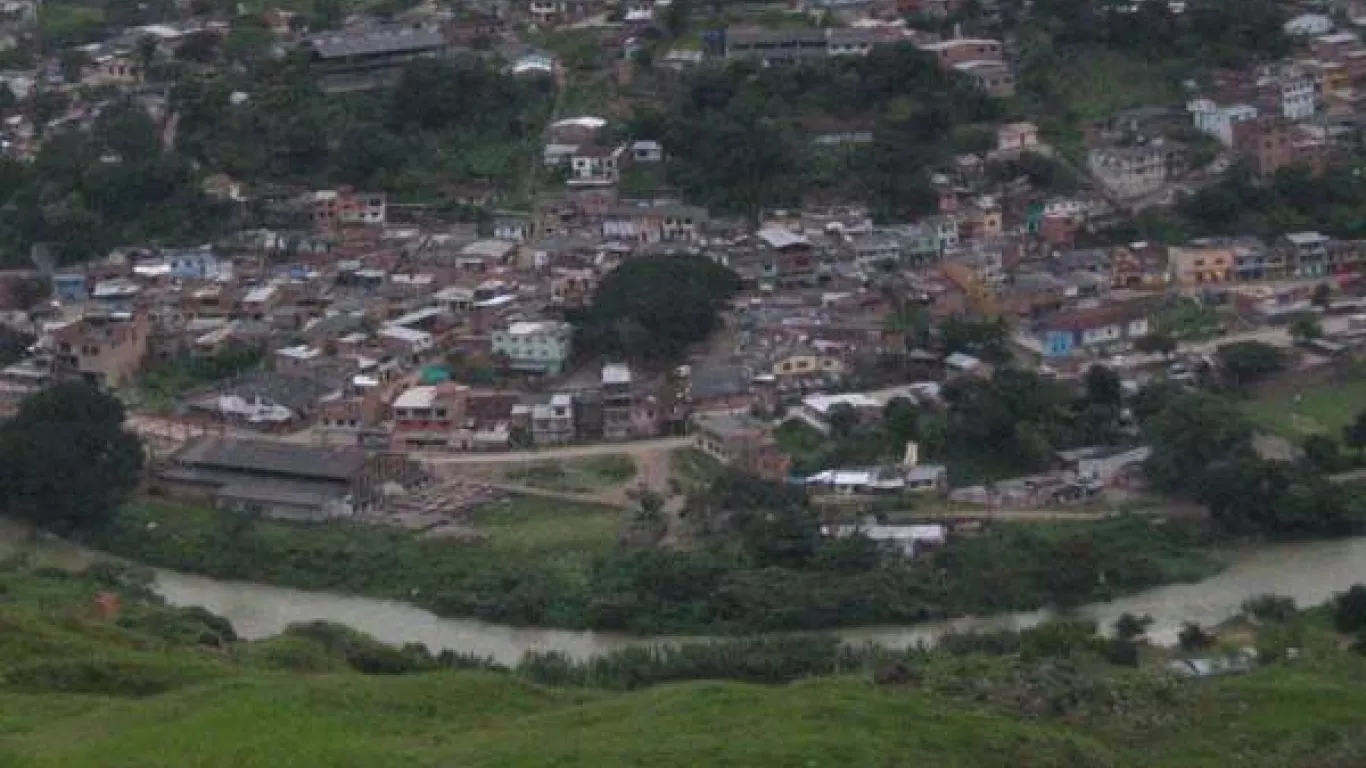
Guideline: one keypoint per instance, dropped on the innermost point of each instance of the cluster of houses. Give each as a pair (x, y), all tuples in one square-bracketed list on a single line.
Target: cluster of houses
[(1300, 111)]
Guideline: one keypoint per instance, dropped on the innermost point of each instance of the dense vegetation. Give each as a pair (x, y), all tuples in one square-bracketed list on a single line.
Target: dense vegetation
[(1203, 449), (740, 136), (264, 121), (651, 308), (1010, 424), (67, 459), (447, 122), (88, 192), (760, 564), (1240, 204)]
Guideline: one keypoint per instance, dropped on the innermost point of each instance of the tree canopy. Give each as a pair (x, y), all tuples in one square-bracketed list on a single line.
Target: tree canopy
[(651, 308), (740, 135), (68, 460)]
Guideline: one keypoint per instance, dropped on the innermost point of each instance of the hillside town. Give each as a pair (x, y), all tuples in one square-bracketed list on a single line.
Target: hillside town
[(357, 317)]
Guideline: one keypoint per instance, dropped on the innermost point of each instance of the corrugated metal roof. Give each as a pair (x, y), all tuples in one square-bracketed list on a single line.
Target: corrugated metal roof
[(370, 43)]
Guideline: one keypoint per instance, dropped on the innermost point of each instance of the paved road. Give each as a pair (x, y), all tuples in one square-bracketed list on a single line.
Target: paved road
[(566, 452)]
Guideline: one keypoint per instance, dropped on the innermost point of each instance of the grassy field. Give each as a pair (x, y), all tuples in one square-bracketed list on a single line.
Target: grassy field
[(1316, 410), (531, 547), (80, 689), (585, 475), (1276, 717)]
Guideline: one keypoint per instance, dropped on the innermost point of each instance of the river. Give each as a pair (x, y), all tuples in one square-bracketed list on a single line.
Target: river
[(1310, 573)]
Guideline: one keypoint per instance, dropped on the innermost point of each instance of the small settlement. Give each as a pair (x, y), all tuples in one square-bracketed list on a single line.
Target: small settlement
[(378, 328)]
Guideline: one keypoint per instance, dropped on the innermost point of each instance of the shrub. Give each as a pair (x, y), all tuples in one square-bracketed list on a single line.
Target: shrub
[(1270, 608), (108, 677), (1349, 610), (1194, 638)]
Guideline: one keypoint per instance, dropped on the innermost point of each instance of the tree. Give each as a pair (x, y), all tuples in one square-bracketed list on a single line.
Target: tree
[(984, 338), (73, 62), (1245, 362), (1322, 453), (1322, 296), (1131, 627), (68, 460), (651, 308), (1189, 435), (900, 422), (1193, 637), (1103, 387), (146, 53), (1306, 327), (1270, 608), (1354, 434), (842, 420), (1349, 609)]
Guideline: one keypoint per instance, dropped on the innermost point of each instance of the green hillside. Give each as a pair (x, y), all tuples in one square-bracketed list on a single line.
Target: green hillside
[(157, 686)]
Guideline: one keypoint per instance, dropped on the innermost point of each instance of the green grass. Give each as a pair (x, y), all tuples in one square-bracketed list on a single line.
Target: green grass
[(471, 719), (547, 526), (1321, 410), (183, 706), (1095, 83), (693, 469), (585, 475), (1274, 717), (532, 547)]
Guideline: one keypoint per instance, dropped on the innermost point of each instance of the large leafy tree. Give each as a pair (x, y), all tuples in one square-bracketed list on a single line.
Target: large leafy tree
[(651, 308), (68, 460), (1190, 434)]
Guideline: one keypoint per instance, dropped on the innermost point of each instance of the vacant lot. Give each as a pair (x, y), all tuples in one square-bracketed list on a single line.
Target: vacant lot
[(1316, 410), (583, 475)]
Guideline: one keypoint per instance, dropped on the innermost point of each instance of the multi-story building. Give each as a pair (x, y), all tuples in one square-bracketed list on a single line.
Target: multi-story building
[(592, 164), (785, 46), (345, 206), (1306, 253), (535, 347), (743, 442), (427, 416), (1218, 120), (1109, 326), (1133, 172), (550, 422), (1193, 264), (993, 78), (950, 53), (618, 402), (105, 349), (648, 223), (1268, 142), (348, 61)]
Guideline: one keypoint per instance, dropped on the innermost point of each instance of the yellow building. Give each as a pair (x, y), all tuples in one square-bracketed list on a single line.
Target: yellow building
[(1199, 265), (808, 365)]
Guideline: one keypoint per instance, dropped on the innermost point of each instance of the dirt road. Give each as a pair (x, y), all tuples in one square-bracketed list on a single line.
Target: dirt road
[(634, 449)]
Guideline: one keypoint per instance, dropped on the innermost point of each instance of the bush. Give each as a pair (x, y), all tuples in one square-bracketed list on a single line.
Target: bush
[(1270, 608), (1349, 610), (1194, 638), (108, 677), (362, 652), (291, 654)]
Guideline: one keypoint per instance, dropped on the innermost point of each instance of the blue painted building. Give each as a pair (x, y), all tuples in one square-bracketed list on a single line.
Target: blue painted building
[(70, 287), (192, 263)]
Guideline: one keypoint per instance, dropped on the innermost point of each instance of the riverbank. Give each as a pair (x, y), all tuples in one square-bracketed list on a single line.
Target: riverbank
[(137, 684), (550, 564)]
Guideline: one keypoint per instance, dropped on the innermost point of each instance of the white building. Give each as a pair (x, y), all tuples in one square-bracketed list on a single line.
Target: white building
[(1215, 120), (1298, 98), (905, 539), (1308, 25), (536, 347)]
